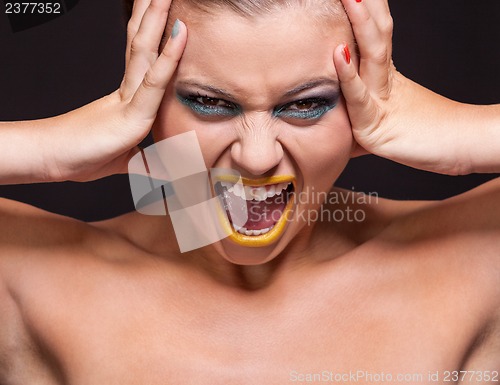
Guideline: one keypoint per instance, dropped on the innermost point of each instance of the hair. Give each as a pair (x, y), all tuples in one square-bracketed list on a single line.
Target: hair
[(251, 8)]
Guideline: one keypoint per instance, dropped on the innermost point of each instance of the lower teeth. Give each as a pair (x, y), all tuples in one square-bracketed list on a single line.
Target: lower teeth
[(254, 233)]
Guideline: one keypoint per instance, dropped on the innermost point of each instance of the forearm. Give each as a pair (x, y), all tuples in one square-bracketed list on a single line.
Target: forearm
[(397, 119), (23, 156), (455, 138), (47, 150), (99, 139), (480, 140)]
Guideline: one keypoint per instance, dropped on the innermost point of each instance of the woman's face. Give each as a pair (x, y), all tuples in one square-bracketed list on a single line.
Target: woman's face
[(263, 96)]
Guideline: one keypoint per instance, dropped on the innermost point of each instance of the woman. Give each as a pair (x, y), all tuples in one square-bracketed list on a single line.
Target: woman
[(412, 290)]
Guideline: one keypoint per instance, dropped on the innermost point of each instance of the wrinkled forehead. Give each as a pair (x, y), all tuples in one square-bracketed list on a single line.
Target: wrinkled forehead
[(261, 56), (323, 13)]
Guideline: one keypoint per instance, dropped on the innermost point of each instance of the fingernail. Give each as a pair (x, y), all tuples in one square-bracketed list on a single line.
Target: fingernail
[(359, 1), (347, 53), (176, 28)]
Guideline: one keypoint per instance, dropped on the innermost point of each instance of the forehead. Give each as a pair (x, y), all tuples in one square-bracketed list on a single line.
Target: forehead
[(265, 52)]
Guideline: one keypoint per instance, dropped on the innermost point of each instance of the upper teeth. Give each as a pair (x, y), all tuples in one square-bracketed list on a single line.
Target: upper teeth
[(255, 193)]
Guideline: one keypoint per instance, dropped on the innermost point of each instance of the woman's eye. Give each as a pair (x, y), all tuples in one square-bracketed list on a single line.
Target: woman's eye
[(307, 109), (303, 105), (212, 102), (207, 106)]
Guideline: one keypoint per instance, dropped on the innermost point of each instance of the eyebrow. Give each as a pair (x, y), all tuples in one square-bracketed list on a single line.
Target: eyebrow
[(208, 88), (312, 84), (303, 87)]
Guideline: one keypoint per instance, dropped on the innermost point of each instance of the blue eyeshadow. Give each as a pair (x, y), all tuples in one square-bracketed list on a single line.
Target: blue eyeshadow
[(320, 106), (197, 107), (325, 104)]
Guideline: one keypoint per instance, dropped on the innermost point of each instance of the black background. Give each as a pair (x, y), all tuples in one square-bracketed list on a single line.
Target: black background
[(23, 16), (449, 46)]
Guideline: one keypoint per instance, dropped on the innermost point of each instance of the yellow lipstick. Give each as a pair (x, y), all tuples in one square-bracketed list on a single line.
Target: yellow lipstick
[(276, 231)]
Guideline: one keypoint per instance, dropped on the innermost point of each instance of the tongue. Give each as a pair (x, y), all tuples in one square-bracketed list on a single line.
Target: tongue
[(262, 215)]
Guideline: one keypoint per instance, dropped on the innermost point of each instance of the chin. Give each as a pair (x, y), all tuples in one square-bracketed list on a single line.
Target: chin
[(247, 256)]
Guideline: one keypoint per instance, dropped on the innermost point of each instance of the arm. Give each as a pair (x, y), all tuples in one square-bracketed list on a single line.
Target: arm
[(100, 138), (400, 120)]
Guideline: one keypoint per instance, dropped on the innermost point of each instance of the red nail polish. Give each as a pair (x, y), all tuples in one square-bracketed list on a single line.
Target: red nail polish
[(359, 1), (347, 54)]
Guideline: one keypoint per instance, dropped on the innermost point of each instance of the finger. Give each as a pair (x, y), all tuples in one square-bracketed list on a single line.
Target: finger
[(361, 107), (144, 46), (147, 99), (381, 15), (374, 42), (138, 10), (379, 11)]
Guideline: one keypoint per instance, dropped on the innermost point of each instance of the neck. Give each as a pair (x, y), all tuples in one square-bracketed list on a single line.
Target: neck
[(308, 249), (305, 251)]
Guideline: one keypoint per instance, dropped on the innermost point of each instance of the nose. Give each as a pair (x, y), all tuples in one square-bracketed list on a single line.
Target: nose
[(257, 152)]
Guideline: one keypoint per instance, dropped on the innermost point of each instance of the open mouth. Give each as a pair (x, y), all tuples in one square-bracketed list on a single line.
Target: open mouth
[(257, 209)]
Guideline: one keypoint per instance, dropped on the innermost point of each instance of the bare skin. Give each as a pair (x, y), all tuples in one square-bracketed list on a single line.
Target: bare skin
[(386, 107), (412, 288), (96, 303)]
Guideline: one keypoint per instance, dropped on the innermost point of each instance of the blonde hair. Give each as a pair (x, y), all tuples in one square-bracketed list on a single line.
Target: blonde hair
[(251, 8)]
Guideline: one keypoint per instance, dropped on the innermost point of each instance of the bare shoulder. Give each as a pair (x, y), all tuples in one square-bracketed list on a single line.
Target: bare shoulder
[(29, 237), (455, 244), (485, 353), (34, 241), (27, 232), (22, 225), (462, 234), (478, 222), (20, 359), (471, 218), (362, 216), (48, 263), (457, 239), (477, 208)]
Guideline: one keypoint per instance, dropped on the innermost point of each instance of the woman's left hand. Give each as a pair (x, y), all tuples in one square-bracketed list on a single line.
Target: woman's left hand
[(391, 116), (369, 94)]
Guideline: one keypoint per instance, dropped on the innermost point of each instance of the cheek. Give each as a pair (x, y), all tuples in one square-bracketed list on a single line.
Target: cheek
[(321, 152)]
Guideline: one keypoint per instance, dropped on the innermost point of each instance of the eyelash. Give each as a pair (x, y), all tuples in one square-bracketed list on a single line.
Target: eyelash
[(323, 105), (225, 108), (193, 102)]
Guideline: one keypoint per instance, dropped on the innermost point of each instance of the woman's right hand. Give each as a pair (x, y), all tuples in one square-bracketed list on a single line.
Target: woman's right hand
[(114, 125), (99, 139)]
